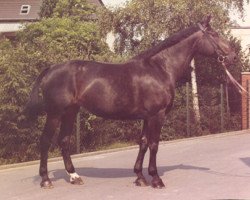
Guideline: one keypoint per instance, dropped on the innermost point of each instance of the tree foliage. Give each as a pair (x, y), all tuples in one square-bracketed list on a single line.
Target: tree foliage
[(79, 9), (141, 24), (61, 35), (47, 8)]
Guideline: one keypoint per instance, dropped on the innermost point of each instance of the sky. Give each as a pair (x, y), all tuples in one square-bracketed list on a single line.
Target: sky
[(246, 22)]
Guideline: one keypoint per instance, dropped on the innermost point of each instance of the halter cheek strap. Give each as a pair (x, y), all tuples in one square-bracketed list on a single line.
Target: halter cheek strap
[(203, 29), (221, 59), (217, 49)]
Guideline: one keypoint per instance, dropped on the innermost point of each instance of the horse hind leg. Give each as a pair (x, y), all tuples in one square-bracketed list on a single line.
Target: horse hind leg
[(51, 124), (141, 181), (67, 123)]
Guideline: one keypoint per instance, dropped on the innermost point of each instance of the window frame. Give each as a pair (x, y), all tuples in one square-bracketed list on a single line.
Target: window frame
[(25, 9)]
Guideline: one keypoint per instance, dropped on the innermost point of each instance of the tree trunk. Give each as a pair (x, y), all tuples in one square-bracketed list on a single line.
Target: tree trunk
[(196, 107)]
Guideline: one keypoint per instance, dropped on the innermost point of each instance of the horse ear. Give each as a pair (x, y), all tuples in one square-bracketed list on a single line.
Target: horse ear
[(206, 20)]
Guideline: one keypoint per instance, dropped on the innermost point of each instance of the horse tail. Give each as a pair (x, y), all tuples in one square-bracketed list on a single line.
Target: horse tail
[(35, 106)]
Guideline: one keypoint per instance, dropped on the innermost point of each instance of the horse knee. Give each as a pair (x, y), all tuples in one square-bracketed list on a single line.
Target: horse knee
[(144, 144), (64, 142), (153, 147)]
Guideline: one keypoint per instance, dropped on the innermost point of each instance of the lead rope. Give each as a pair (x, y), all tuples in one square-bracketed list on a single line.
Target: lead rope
[(232, 79)]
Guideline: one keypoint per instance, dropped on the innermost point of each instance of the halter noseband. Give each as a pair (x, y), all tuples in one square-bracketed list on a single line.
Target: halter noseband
[(221, 58)]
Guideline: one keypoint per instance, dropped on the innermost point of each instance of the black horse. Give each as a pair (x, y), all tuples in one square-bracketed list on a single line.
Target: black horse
[(141, 88)]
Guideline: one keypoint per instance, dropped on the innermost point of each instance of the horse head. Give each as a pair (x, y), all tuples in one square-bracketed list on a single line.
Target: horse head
[(212, 44)]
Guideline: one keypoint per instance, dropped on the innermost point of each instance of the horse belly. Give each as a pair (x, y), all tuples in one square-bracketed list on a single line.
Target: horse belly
[(121, 107), (102, 99)]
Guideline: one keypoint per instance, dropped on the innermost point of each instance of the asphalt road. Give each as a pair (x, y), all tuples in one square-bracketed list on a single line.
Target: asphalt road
[(214, 167)]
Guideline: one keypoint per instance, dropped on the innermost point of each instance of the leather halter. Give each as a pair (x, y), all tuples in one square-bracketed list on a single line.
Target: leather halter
[(221, 54)]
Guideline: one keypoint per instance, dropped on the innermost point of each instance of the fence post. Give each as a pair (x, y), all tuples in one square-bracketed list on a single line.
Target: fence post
[(227, 99), (222, 107), (78, 133), (188, 110)]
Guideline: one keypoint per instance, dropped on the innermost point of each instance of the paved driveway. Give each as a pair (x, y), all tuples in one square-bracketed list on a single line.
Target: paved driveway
[(214, 167)]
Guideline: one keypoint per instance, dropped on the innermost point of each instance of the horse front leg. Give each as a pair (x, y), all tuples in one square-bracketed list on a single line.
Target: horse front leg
[(143, 142), (45, 141), (155, 124), (66, 130)]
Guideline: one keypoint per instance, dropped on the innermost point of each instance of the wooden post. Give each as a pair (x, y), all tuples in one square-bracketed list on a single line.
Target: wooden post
[(227, 99), (222, 107), (188, 110)]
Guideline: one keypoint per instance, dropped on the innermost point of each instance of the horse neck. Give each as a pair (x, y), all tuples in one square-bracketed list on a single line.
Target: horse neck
[(176, 59)]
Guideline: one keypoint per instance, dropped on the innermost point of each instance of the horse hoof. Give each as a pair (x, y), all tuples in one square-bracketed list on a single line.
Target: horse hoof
[(157, 183), (46, 184), (77, 181), (141, 182)]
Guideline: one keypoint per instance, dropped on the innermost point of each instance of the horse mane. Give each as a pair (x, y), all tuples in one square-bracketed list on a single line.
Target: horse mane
[(168, 42)]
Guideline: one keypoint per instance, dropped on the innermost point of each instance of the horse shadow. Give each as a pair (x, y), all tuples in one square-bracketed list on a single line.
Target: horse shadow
[(246, 161), (114, 173)]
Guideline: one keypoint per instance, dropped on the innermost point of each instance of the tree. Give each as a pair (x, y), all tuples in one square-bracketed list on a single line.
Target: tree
[(47, 8), (142, 24), (55, 39), (80, 9)]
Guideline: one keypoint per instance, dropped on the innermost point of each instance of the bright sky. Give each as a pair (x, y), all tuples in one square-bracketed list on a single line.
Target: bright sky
[(246, 22)]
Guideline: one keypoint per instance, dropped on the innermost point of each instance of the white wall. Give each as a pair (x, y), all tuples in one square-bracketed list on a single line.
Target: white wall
[(243, 34)]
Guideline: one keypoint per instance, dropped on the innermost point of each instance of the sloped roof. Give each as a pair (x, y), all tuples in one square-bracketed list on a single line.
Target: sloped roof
[(10, 9)]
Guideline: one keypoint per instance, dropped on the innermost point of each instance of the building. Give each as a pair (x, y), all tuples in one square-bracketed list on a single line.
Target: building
[(13, 13), (243, 34)]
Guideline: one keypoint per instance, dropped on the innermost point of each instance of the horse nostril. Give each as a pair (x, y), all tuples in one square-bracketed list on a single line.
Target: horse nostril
[(235, 58)]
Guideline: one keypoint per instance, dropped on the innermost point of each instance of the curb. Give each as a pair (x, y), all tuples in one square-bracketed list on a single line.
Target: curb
[(56, 159)]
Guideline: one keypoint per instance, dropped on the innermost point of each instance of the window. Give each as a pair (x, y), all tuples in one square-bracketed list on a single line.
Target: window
[(25, 9)]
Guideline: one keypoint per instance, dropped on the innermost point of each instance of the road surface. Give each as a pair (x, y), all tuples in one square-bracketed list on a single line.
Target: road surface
[(213, 167)]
